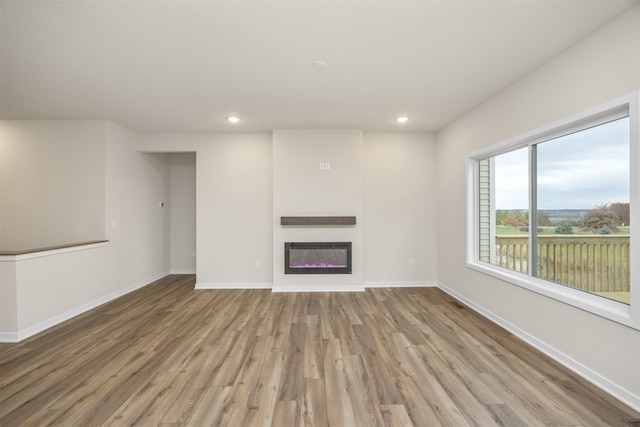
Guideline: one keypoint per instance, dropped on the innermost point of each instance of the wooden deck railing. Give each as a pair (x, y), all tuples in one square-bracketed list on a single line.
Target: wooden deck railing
[(598, 263)]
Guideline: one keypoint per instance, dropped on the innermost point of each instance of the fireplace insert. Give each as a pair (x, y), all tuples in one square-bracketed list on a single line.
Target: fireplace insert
[(317, 258)]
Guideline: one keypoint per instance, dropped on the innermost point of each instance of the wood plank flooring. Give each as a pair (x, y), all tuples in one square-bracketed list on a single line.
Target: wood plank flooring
[(170, 355)]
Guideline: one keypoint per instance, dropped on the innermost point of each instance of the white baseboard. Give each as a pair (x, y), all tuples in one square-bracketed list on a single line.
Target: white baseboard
[(314, 288), (318, 288), (8, 337), (234, 285), (183, 271), (279, 288), (406, 284), (585, 372), (53, 321)]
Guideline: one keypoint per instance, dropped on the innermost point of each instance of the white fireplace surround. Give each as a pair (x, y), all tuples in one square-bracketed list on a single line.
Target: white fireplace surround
[(302, 187)]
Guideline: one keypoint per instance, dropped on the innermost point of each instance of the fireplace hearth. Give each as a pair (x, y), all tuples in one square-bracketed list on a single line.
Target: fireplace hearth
[(317, 258)]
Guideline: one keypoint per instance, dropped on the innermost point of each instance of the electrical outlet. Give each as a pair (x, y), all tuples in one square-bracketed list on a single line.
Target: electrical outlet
[(411, 263), (258, 263)]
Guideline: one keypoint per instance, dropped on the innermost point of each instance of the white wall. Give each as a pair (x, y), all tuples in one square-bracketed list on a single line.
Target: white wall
[(8, 298), (234, 211), (602, 67), (136, 184), (300, 188), (182, 208), (400, 209), (388, 180), (52, 182), (51, 287), (234, 208)]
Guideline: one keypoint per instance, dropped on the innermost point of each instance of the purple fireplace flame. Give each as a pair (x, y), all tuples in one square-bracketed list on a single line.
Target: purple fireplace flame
[(318, 265), (317, 258)]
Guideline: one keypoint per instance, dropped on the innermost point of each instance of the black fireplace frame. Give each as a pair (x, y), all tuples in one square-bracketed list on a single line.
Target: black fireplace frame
[(317, 245)]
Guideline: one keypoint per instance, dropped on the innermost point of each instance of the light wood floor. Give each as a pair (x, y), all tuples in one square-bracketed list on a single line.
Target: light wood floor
[(170, 355)]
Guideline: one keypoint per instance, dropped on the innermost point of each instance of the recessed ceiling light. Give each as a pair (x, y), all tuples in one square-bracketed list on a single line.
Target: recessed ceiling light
[(233, 119), (319, 65), (402, 119)]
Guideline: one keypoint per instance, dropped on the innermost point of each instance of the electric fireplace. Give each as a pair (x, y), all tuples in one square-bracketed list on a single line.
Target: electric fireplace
[(317, 258)]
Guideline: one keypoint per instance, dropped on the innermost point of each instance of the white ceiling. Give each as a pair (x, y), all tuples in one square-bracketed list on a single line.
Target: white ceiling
[(186, 65)]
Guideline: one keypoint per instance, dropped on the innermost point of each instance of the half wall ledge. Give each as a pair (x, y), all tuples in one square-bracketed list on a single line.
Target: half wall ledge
[(50, 248), (18, 255)]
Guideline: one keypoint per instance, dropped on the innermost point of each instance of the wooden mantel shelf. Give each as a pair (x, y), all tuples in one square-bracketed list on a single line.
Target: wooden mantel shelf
[(317, 220)]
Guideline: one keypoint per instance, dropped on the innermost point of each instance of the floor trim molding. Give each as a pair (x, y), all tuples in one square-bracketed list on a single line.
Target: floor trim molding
[(183, 271), (401, 284), (318, 288), (234, 285)]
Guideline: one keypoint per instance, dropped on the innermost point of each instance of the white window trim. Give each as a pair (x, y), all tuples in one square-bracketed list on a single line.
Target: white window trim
[(628, 315)]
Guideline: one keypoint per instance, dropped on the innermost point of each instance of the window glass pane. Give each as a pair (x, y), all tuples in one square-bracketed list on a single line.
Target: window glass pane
[(582, 197), (504, 200)]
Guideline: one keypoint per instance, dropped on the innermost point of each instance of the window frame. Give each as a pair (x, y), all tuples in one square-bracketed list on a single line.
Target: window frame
[(626, 314)]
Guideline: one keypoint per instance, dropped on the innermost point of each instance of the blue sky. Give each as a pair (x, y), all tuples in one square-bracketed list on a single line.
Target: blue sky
[(576, 171)]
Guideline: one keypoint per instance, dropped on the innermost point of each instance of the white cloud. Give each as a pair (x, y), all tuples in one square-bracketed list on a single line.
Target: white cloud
[(585, 169), (577, 171)]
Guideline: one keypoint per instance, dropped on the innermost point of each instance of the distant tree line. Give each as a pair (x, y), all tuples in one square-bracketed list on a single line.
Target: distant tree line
[(603, 219), (622, 212), (517, 219)]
